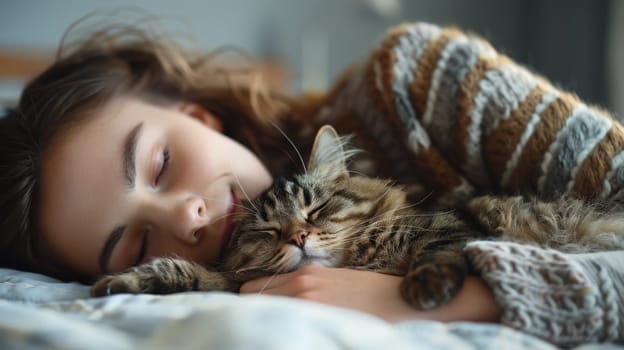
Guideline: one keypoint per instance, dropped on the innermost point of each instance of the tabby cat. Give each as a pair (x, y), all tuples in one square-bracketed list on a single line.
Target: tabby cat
[(331, 218)]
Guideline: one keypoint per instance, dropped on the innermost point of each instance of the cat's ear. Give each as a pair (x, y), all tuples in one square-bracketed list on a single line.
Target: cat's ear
[(328, 155)]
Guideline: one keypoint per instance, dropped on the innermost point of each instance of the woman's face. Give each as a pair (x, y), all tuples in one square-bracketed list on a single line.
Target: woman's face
[(139, 181)]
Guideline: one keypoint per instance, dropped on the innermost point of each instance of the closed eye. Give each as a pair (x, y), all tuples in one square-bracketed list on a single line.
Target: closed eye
[(272, 231), (164, 163), (316, 210), (143, 247)]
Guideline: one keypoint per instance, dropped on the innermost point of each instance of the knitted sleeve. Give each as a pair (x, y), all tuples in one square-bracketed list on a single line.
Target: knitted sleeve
[(565, 299), (471, 119)]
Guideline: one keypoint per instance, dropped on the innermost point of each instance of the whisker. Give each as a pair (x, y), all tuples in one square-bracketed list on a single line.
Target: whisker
[(266, 284), (383, 217), (229, 215), (305, 169), (246, 208), (248, 268), (351, 171), (245, 193), (373, 224)]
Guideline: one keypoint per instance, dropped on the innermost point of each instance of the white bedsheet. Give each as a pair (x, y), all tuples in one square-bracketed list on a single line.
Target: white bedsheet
[(38, 312)]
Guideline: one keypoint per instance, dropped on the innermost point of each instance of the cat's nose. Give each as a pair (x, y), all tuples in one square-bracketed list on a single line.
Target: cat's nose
[(298, 238)]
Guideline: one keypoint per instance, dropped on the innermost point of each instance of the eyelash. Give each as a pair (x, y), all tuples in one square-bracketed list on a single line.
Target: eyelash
[(315, 211), (163, 166), (143, 248)]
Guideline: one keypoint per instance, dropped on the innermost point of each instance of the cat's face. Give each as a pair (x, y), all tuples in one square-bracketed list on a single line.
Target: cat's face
[(295, 222), (309, 219)]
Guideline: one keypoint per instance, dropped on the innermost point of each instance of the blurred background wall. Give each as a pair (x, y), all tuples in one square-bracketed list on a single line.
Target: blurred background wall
[(577, 44)]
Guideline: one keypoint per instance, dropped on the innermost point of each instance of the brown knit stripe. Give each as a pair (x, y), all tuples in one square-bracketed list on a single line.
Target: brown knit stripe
[(465, 103), (591, 174), (528, 170), (439, 174), (426, 67), (380, 67), (381, 63), (501, 143)]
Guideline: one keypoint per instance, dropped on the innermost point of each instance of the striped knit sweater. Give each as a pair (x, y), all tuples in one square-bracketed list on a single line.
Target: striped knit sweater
[(442, 109)]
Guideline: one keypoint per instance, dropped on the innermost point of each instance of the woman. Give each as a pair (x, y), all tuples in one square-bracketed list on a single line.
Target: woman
[(128, 148)]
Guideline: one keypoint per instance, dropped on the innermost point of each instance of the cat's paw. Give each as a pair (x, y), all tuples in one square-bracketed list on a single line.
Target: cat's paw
[(116, 284), (432, 285), (494, 213)]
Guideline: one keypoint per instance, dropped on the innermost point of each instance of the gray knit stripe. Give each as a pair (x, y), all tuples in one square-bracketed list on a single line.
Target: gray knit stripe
[(511, 85), (410, 46), (613, 309), (615, 176), (582, 131), (501, 91), (601, 134), (512, 163), (456, 60), (354, 97), (417, 136), (608, 276), (408, 50)]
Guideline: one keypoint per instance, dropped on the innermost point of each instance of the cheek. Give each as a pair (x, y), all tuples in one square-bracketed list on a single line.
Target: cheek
[(251, 172), (222, 155)]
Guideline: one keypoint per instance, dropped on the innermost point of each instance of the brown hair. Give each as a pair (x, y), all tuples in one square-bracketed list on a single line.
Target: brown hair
[(113, 62)]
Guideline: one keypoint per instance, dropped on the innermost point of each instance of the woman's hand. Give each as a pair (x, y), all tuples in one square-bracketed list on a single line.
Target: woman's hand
[(375, 293)]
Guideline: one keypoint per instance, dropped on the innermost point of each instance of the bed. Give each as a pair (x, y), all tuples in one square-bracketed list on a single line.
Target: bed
[(39, 312)]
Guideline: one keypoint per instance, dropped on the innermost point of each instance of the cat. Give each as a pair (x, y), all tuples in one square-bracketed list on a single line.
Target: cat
[(330, 217)]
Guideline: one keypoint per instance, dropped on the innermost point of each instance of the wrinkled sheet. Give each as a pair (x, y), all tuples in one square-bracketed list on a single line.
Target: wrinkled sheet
[(38, 312)]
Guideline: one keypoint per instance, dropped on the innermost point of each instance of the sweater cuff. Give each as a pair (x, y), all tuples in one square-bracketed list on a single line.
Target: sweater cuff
[(546, 293)]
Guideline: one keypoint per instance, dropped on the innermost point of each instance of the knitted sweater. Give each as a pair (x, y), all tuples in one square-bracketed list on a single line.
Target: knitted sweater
[(444, 113), (442, 109)]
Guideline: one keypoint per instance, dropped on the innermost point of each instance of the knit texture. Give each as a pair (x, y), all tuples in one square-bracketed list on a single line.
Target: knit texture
[(565, 299), (442, 109)]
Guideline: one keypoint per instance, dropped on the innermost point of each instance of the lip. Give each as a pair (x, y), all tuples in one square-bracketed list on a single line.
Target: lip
[(228, 227)]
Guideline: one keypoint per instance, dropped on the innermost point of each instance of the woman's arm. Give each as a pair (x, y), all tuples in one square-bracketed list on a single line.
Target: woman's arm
[(567, 299), (376, 294)]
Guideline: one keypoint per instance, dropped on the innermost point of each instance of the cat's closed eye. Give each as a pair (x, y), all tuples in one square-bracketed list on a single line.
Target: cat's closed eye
[(314, 213), (263, 233)]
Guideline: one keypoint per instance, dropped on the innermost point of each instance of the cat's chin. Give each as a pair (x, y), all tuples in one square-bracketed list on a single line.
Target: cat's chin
[(305, 260), (310, 255)]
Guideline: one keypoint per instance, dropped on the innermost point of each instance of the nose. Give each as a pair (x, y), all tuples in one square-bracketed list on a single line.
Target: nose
[(183, 217), (298, 238)]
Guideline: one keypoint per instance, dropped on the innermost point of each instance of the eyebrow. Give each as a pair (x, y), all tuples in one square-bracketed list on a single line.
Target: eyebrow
[(129, 154), (129, 170)]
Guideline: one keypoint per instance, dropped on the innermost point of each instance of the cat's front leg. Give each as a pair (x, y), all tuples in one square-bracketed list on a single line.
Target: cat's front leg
[(435, 277), (495, 214), (162, 276)]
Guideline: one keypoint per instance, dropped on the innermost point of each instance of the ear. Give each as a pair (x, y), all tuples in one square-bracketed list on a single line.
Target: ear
[(328, 156), (200, 113)]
